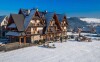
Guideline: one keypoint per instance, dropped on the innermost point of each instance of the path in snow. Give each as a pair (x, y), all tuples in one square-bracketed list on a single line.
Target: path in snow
[(70, 51)]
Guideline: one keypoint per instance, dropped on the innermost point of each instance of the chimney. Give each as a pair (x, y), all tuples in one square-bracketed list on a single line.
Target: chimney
[(36, 9), (28, 11), (45, 11)]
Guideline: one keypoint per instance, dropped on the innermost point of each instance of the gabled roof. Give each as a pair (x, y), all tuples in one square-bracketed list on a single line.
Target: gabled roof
[(19, 21), (48, 18), (60, 17), (2, 18), (41, 13), (24, 11), (28, 18), (13, 25), (11, 33)]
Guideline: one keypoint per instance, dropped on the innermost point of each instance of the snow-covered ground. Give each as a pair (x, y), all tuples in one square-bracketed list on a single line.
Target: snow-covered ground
[(70, 51)]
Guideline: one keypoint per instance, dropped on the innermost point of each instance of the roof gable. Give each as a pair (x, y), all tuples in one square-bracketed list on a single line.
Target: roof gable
[(2, 18), (48, 17), (60, 17), (28, 18), (19, 21)]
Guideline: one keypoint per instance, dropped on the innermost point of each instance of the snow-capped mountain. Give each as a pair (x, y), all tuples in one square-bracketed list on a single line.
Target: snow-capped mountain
[(90, 20), (81, 22), (76, 22)]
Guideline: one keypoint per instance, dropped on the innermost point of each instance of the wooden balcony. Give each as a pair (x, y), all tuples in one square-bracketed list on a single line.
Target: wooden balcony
[(37, 32), (36, 25)]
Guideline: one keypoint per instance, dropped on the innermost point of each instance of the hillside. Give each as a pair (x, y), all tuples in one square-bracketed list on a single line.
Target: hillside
[(76, 22), (82, 21)]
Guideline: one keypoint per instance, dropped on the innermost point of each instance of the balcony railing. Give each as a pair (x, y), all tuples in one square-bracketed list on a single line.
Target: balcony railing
[(37, 32), (36, 25)]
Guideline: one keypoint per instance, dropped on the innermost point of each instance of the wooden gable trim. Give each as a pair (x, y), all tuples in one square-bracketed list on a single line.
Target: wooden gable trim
[(20, 11), (36, 12), (66, 20), (10, 20), (41, 20), (57, 21)]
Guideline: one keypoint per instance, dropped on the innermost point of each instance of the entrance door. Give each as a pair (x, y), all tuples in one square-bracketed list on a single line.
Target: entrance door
[(22, 39)]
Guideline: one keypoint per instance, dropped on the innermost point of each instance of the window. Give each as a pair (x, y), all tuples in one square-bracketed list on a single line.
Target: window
[(37, 21), (5, 22)]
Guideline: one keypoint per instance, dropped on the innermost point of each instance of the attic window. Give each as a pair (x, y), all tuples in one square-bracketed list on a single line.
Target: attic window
[(64, 21), (5, 22), (32, 21), (37, 21)]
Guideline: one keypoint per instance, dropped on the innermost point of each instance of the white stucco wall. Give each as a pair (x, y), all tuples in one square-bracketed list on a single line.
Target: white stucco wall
[(65, 28), (36, 37), (4, 22), (39, 28), (37, 21)]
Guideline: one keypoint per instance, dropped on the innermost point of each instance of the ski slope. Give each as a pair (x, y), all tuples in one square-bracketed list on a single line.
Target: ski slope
[(70, 51)]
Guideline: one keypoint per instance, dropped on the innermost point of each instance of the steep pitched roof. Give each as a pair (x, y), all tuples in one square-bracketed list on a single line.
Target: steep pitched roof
[(10, 33), (41, 13), (28, 18), (2, 18), (48, 18), (60, 17), (19, 21), (23, 11), (13, 25)]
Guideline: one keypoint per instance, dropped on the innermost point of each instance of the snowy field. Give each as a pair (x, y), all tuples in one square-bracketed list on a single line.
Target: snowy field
[(70, 51)]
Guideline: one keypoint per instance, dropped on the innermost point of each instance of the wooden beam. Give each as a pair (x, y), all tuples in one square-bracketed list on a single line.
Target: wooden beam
[(25, 40), (19, 40)]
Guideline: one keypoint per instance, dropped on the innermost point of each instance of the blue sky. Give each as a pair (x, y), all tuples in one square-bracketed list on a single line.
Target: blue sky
[(82, 8)]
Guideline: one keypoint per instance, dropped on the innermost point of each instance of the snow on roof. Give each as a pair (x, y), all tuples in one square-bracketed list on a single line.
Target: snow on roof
[(28, 18), (12, 25), (41, 13), (12, 33), (60, 17), (24, 11), (2, 18), (48, 18)]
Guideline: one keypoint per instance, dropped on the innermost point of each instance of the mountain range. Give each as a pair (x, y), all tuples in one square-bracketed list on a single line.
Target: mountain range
[(82, 21), (75, 22)]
